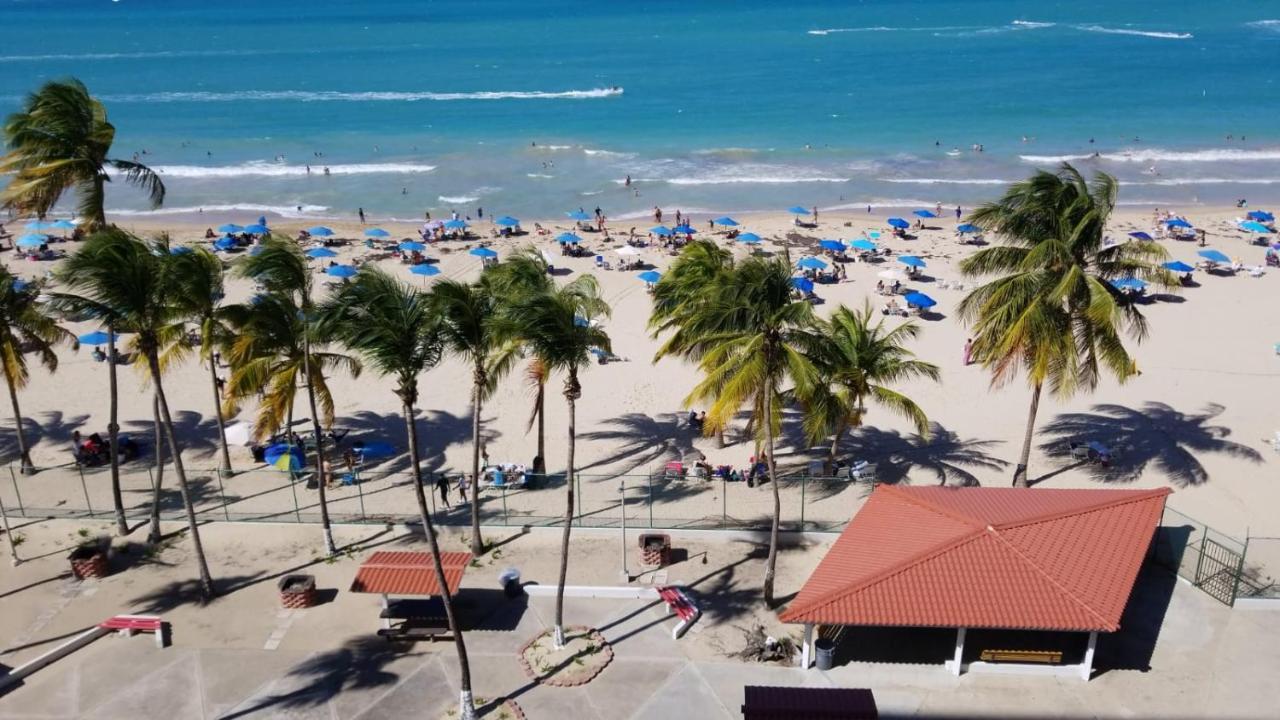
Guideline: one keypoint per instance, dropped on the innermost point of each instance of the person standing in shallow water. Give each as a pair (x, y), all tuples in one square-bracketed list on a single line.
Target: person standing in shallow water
[(958, 212), (361, 212)]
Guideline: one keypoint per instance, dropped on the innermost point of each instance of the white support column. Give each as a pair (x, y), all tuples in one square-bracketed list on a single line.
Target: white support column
[(806, 652), (959, 657), (1086, 667), (386, 622)]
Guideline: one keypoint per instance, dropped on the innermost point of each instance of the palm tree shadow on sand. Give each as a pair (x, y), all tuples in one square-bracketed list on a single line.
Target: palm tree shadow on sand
[(638, 439), (944, 457), (1155, 435)]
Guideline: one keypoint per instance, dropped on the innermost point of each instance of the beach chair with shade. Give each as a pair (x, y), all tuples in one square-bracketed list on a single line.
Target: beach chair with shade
[(863, 472)]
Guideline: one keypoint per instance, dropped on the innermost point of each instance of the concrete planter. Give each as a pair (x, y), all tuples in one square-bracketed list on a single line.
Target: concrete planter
[(89, 561), (297, 591)]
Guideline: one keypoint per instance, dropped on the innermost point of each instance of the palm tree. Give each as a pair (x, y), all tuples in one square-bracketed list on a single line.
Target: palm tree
[(556, 328), (857, 361), (1052, 311), (535, 377), (59, 141), (750, 335), (199, 274), (115, 275), (26, 327), (394, 327), (275, 345)]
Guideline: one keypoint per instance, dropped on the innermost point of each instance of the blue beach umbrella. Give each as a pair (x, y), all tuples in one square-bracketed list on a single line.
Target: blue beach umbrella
[(230, 228), (798, 210), (874, 234), (456, 225), (37, 225), (341, 271), (32, 240), (919, 299), (97, 337), (832, 245), (179, 250), (899, 223), (285, 457), (1254, 226), (660, 230), (320, 252), (424, 270), (578, 216), (811, 263), (411, 246), (1261, 216), (1214, 256), (1141, 236), (483, 253), (19, 284), (257, 229), (1128, 283), (726, 221), (320, 231), (749, 238), (685, 229), (803, 284), (507, 221), (568, 239), (224, 244), (911, 261), (62, 225), (650, 276), (1177, 266), (968, 228), (863, 244), (372, 449), (376, 233), (923, 213), (1177, 222)]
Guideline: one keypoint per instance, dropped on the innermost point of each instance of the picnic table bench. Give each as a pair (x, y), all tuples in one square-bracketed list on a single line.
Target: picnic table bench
[(418, 619), (681, 605), (1043, 657), (130, 624)]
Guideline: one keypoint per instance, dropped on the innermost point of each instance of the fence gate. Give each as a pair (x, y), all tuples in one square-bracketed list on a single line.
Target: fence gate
[(1218, 570)]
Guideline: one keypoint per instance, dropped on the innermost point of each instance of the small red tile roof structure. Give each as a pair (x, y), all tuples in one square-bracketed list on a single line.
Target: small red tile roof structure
[(1009, 558), (392, 572)]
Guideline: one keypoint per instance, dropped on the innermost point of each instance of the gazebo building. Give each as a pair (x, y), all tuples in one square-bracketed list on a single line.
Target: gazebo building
[(1026, 579)]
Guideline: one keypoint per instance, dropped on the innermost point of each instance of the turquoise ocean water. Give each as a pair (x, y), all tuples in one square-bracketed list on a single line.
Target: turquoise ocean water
[(707, 105)]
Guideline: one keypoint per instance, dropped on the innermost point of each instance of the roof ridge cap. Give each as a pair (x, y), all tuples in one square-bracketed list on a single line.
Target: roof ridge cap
[(914, 499), (1052, 580), (887, 573), (1137, 496)]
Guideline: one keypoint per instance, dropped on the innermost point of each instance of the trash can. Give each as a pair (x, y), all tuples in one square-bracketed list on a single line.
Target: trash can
[(510, 580), (825, 653)]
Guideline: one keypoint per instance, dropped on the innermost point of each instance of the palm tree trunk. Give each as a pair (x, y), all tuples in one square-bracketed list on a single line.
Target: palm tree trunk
[(113, 433), (98, 194), (23, 450), (835, 448), (154, 536), (466, 707), (572, 391), (477, 543), (772, 561), (1020, 472), (217, 408), (542, 422), (321, 476), (206, 580)]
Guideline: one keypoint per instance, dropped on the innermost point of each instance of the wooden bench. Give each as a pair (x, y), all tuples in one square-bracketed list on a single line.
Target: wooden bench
[(411, 630), (681, 605), (130, 624), (420, 619), (1043, 657)]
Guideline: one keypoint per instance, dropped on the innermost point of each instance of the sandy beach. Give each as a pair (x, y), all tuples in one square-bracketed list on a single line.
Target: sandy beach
[(1195, 419)]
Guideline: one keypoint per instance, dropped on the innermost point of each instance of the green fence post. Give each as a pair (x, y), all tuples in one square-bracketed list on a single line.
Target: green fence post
[(505, 519), (85, 487), (804, 481), (16, 492), (431, 495), (724, 502), (650, 480), (360, 491), (222, 493), (577, 481), (1235, 587), (293, 485)]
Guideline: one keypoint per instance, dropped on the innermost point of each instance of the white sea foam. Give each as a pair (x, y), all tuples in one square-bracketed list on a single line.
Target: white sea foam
[(755, 179), (726, 151), (265, 169), (881, 203), (946, 181), (1032, 24), (1159, 155), (607, 153), (374, 96), (458, 199), (1140, 33), (540, 176), (140, 55), (1272, 25), (1177, 182), (281, 210), (552, 148), (881, 28)]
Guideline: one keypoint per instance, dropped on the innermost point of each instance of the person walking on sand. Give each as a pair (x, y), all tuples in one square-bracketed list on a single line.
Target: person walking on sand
[(442, 486), (958, 213), (361, 212), (657, 214), (815, 215), (968, 352)]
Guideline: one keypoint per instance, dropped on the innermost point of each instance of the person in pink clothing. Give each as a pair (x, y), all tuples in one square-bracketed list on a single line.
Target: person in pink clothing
[(968, 352)]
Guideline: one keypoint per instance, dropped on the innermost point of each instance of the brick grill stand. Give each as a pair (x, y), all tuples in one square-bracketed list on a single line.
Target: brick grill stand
[(655, 549), (297, 591), (89, 561)]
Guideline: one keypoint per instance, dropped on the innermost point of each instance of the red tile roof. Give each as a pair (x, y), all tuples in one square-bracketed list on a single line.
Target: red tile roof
[(391, 572), (984, 557)]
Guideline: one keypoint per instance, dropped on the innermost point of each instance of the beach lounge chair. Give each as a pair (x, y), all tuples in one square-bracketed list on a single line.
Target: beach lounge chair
[(865, 472), (1079, 451)]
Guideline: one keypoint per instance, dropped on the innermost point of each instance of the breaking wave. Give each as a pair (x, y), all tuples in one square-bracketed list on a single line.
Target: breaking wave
[(265, 169), (1159, 155), (1139, 33), (281, 210), (377, 96)]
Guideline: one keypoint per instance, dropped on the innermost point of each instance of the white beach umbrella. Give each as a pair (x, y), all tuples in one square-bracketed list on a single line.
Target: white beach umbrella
[(626, 250), (240, 433), (892, 275)]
